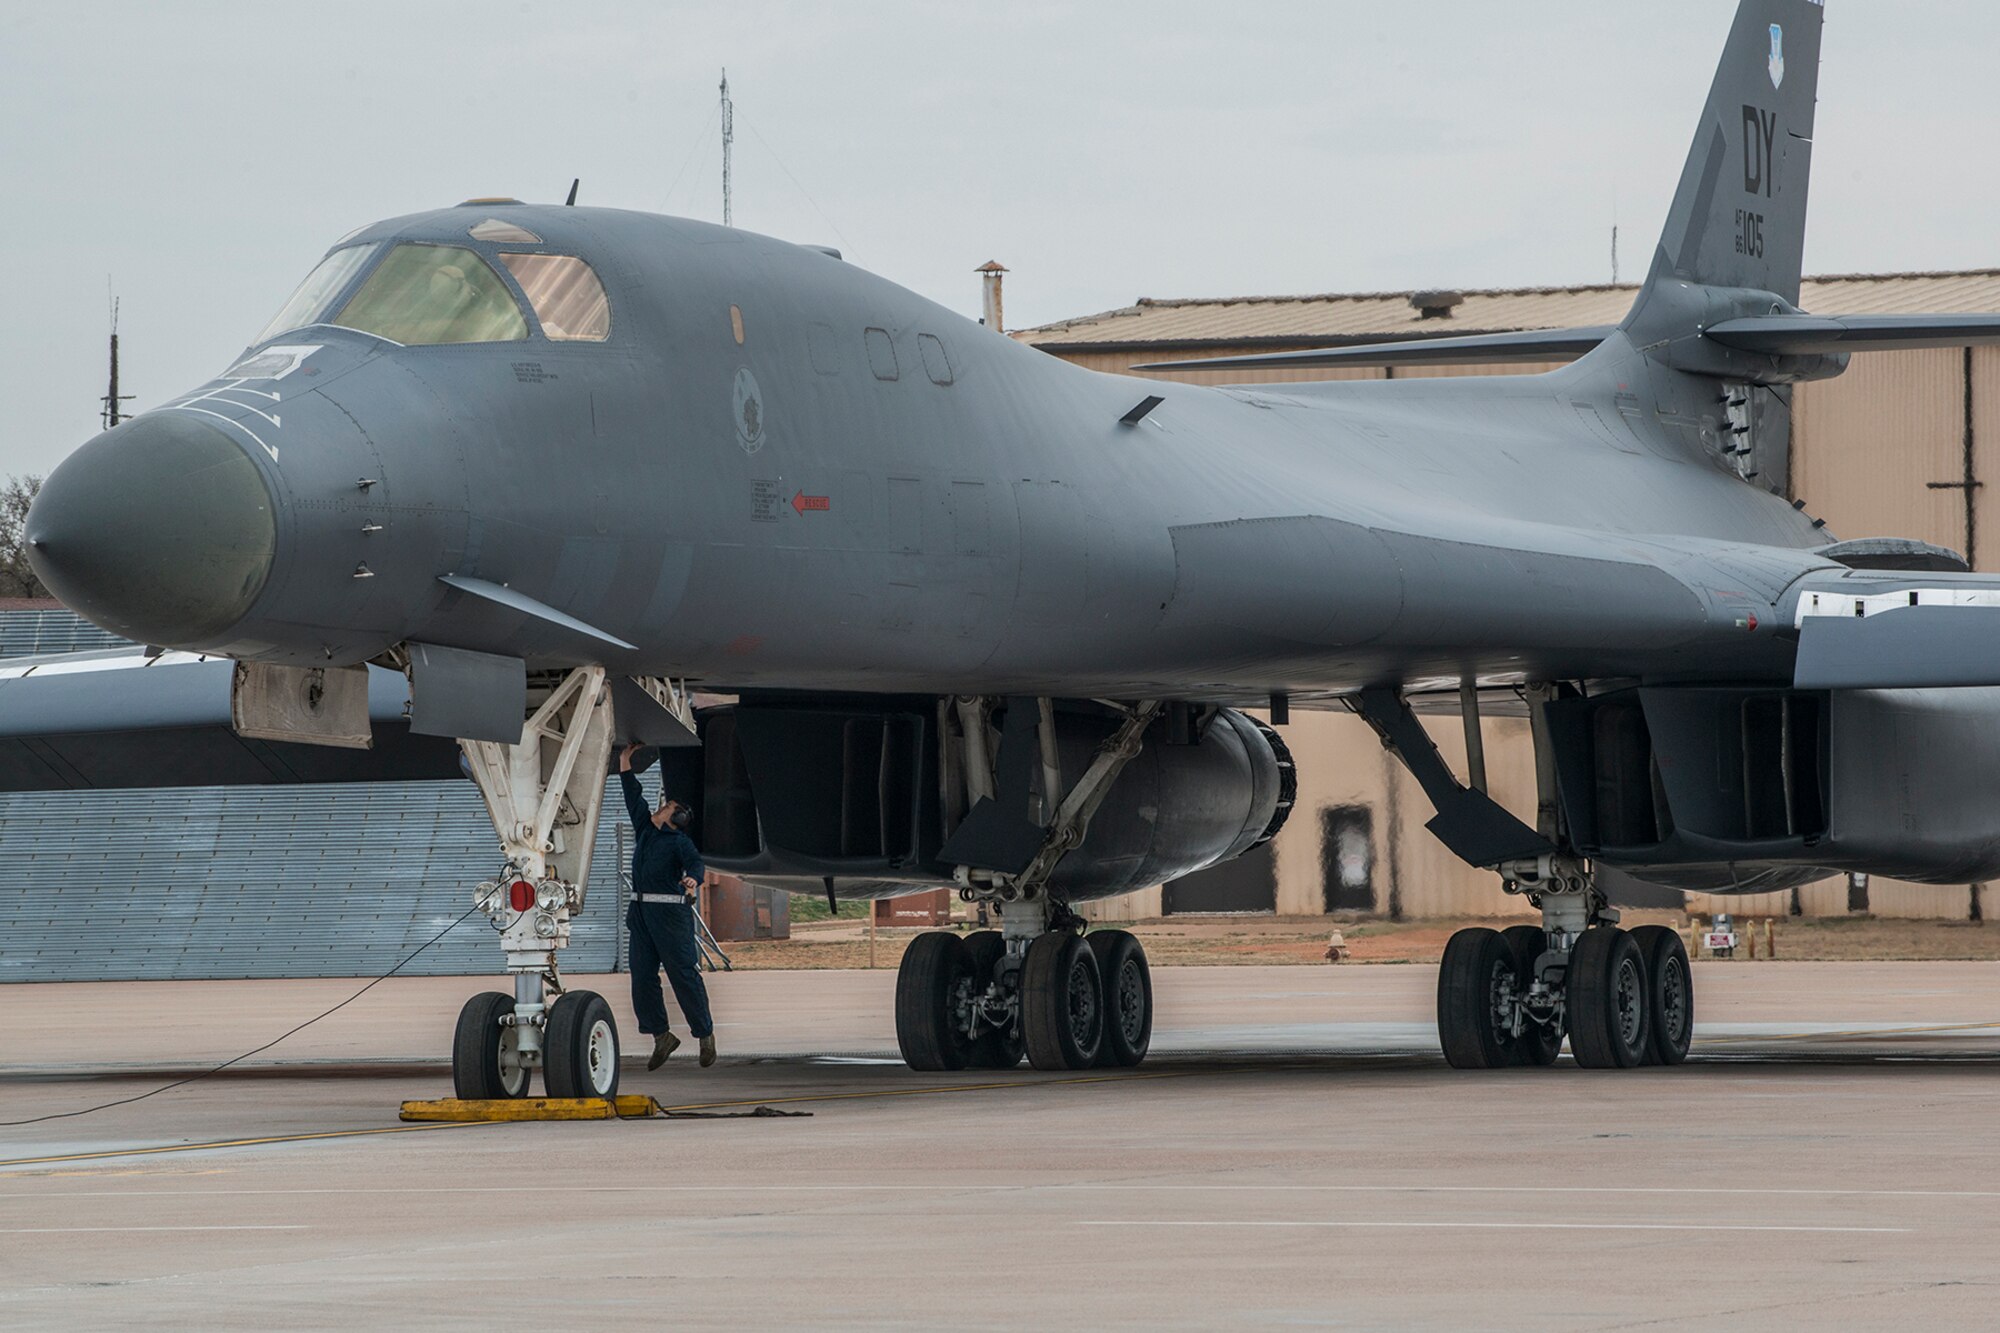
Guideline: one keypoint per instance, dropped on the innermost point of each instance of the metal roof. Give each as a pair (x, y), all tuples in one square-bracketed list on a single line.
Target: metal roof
[(1330, 320)]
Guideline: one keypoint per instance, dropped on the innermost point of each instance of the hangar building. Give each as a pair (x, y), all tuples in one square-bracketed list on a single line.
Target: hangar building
[(1904, 444)]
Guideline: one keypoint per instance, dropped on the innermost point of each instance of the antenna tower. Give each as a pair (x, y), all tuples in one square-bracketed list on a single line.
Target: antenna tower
[(728, 137), (112, 413)]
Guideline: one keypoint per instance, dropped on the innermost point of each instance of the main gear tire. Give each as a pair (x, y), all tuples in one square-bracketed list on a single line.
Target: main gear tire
[(1607, 1000), (993, 1048), (580, 1047), (932, 981), (1128, 997), (1539, 1043), (1669, 993), (485, 1053), (1062, 1002), (1477, 968)]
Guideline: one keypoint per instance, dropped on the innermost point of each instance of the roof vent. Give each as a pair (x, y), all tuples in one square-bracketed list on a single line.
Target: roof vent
[(1436, 305)]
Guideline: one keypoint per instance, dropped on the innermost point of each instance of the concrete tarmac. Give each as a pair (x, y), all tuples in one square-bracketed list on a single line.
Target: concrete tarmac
[(1295, 1152)]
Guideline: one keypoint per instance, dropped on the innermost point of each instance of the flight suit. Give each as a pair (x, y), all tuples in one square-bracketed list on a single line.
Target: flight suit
[(663, 933)]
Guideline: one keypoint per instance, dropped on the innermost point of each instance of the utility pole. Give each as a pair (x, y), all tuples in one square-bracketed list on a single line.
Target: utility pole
[(113, 413), (728, 137)]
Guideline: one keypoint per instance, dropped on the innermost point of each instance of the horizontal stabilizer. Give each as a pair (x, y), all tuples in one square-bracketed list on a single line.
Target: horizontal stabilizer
[(1476, 349), (1817, 335)]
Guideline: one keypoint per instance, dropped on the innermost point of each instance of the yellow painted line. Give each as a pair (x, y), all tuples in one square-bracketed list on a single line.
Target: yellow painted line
[(232, 1143), (1857, 1034)]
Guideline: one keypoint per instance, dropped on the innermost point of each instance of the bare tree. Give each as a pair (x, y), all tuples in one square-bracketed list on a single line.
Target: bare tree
[(17, 576)]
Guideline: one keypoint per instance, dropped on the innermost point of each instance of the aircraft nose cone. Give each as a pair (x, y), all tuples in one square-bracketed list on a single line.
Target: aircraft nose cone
[(161, 530)]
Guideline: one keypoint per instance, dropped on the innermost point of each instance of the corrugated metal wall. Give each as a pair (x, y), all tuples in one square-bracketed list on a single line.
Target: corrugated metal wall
[(219, 882), (306, 881)]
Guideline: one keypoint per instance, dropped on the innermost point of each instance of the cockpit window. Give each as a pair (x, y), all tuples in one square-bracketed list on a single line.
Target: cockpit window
[(310, 302), (566, 295), (435, 294), (493, 229)]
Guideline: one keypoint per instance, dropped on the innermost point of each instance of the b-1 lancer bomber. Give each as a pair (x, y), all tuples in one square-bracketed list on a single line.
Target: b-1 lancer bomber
[(988, 621)]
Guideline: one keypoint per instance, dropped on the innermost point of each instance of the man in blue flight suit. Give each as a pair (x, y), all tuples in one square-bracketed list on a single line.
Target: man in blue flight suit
[(666, 871)]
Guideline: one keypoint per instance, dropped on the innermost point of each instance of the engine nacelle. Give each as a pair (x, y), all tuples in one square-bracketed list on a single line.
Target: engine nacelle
[(795, 791), (1729, 789)]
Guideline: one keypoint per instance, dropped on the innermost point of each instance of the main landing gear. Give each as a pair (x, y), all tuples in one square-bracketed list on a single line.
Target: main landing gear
[(1038, 986), (1065, 1000), (1623, 998)]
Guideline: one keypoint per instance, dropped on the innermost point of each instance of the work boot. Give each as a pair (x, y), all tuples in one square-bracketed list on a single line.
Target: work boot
[(708, 1050), (663, 1046)]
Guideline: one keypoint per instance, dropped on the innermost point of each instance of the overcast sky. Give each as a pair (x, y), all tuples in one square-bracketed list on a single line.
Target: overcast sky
[(202, 155)]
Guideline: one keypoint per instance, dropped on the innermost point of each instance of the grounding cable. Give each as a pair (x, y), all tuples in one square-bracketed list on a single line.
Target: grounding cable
[(195, 1078)]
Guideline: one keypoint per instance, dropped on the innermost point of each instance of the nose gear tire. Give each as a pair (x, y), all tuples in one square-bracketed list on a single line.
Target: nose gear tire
[(1128, 997), (1062, 1002), (1608, 1000), (1669, 993), (580, 1047), (934, 977), (485, 1056), (1477, 967)]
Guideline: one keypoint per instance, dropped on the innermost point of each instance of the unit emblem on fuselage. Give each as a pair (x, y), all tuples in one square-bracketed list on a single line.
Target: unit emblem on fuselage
[(1777, 56), (749, 412)]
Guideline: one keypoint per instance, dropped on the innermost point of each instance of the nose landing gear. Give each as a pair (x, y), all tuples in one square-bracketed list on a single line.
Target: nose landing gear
[(543, 794)]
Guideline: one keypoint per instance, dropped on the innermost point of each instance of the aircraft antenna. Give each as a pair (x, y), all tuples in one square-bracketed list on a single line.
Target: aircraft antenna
[(728, 137), (112, 413)]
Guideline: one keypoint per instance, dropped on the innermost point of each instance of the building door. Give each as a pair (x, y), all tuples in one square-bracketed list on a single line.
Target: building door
[(1246, 885), (1347, 857)]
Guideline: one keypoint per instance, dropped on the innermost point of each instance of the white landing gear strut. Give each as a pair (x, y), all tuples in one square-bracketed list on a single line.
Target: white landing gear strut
[(543, 794)]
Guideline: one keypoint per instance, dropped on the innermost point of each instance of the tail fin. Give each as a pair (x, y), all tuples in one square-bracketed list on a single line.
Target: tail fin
[(1739, 216)]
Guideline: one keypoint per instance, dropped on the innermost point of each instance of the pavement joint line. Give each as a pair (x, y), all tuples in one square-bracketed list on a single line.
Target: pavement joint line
[(238, 1143), (1858, 1034), (948, 1087), (1095, 1187), (690, 1106), (1503, 1226), (71, 1231)]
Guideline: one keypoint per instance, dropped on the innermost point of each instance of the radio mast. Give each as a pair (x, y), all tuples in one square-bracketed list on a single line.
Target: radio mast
[(728, 136), (113, 413)]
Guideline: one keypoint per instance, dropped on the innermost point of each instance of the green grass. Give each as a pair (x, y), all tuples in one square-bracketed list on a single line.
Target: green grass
[(814, 908)]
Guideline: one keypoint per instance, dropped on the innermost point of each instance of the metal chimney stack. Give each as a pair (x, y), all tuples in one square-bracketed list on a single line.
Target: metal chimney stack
[(990, 272)]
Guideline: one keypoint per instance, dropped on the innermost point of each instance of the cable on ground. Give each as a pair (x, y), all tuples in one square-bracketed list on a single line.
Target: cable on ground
[(196, 1078)]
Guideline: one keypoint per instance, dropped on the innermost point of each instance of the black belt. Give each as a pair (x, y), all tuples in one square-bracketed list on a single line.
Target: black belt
[(660, 898)]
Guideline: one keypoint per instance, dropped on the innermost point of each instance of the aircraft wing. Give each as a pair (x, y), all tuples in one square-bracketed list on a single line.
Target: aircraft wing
[(1533, 345), (1790, 334), (123, 719), (1913, 632)]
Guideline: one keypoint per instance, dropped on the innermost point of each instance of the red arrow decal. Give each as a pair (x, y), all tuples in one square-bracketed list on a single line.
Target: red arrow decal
[(803, 502)]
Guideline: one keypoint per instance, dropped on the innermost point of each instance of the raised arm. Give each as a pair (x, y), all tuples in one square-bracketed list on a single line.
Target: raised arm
[(635, 799)]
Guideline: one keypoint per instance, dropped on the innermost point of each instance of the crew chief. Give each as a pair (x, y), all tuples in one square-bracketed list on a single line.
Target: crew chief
[(666, 872)]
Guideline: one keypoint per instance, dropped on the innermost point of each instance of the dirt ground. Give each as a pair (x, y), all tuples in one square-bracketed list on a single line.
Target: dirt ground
[(1211, 941)]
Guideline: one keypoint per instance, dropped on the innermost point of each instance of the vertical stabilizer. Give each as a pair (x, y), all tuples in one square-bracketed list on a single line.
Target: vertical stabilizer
[(1739, 217)]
